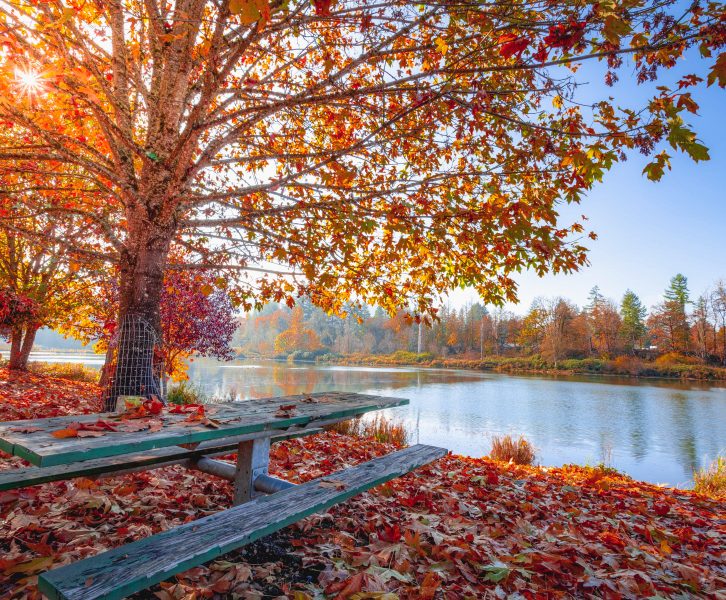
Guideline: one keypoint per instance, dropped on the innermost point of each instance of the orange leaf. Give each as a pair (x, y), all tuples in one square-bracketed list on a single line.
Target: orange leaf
[(65, 433)]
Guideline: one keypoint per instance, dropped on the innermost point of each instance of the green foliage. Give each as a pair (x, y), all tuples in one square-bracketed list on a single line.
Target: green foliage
[(677, 291), (403, 357), (185, 393), (307, 355), (632, 312)]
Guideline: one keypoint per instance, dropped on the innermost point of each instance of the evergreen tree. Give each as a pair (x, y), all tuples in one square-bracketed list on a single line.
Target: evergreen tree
[(595, 299), (677, 291), (632, 311), (669, 322)]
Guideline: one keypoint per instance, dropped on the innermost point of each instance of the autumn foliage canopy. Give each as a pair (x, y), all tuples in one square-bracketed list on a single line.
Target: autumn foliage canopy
[(381, 151)]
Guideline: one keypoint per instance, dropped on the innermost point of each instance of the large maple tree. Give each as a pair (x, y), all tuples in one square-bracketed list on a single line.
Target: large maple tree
[(382, 151)]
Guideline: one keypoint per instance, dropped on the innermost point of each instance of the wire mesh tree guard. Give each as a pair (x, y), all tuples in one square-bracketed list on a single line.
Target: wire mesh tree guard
[(136, 372)]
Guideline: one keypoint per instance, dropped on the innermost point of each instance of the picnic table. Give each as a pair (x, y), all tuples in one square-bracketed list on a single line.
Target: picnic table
[(110, 444)]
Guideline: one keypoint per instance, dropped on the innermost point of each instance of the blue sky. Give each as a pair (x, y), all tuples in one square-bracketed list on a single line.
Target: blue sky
[(649, 231)]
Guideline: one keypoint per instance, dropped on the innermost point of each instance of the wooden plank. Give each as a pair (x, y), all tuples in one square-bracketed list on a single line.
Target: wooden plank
[(253, 459), (136, 566), (117, 465), (235, 418)]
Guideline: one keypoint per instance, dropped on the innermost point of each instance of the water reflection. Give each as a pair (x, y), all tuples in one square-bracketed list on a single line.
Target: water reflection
[(654, 430)]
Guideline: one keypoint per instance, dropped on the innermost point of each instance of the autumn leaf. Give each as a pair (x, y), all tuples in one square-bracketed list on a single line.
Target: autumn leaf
[(84, 433), (251, 11), (26, 429), (512, 45), (285, 411), (615, 28), (718, 71), (332, 484), (64, 433), (31, 567), (496, 573), (322, 7)]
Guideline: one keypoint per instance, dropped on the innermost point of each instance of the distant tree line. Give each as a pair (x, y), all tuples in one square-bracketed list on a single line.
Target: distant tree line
[(554, 328)]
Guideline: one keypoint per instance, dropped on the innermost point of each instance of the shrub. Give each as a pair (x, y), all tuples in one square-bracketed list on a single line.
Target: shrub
[(674, 358), (711, 480), (628, 364), (306, 355), (70, 371), (404, 357), (381, 429), (185, 393), (507, 449), (328, 357)]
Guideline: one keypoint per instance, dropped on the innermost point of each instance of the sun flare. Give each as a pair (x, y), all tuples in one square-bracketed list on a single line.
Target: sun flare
[(28, 81)]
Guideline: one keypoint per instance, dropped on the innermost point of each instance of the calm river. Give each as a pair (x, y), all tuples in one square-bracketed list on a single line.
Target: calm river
[(657, 431)]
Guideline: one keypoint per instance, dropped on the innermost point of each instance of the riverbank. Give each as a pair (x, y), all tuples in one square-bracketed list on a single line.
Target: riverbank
[(621, 367), (463, 527)]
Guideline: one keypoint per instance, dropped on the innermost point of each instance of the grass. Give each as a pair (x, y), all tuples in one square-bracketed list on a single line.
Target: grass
[(70, 371), (506, 449), (185, 393), (711, 480), (379, 428)]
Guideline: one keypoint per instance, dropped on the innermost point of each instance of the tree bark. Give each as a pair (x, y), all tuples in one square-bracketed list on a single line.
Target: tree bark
[(141, 275), (21, 343), (15, 345)]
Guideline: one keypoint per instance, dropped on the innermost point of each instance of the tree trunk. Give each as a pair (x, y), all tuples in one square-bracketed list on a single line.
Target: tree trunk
[(141, 275), (21, 343), (107, 365), (15, 344)]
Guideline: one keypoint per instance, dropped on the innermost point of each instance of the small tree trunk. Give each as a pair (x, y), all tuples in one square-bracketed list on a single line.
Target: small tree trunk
[(23, 338), (28, 341), (16, 344), (140, 284)]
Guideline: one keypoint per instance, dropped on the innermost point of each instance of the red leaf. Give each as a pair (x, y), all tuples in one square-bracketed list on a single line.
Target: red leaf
[(322, 7), (661, 509), (512, 45)]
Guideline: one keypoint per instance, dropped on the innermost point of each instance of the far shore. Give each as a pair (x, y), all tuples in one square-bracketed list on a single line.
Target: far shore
[(536, 366), (632, 368)]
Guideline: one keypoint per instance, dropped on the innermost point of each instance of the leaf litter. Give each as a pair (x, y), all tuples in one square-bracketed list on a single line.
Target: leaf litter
[(459, 528)]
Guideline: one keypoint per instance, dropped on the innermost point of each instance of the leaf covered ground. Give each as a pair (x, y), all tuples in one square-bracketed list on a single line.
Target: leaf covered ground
[(460, 528)]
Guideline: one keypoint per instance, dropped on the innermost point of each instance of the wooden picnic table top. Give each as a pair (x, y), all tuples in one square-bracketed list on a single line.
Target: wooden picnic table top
[(34, 441)]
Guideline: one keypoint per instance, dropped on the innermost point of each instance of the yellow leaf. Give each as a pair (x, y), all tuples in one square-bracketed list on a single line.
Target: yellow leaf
[(615, 28), (206, 289), (32, 566), (557, 101), (441, 45), (251, 11)]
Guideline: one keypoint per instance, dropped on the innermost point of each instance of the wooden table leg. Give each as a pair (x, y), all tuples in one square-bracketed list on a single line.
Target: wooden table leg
[(253, 459)]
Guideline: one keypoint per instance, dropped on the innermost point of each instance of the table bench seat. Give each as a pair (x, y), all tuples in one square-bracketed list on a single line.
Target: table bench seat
[(118, 465), (139, 565)]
